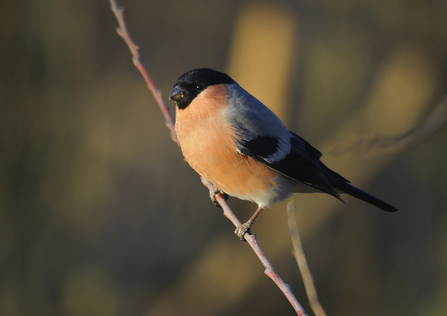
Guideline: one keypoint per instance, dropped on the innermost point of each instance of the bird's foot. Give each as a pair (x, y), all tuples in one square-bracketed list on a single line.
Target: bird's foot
[(241, 230), (215, 191)]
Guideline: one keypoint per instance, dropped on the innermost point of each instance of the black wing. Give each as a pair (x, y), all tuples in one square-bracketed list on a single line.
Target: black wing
[(301, 164)]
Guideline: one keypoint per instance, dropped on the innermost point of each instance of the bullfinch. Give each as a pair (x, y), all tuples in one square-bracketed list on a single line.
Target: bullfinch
[(240, 146)]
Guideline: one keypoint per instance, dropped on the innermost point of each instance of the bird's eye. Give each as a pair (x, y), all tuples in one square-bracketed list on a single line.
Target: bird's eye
[(200, 86)]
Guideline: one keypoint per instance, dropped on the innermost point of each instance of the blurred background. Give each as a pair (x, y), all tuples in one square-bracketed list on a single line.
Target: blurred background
[(99, 214)]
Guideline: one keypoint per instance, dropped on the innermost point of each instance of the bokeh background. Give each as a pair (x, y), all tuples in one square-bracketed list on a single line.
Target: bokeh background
[(99, 214)]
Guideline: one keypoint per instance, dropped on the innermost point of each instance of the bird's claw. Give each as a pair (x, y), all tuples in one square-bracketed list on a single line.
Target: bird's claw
[(215, 192), (241, 230)]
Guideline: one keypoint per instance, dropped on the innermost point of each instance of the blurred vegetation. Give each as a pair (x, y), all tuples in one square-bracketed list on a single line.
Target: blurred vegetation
[(99, 215)]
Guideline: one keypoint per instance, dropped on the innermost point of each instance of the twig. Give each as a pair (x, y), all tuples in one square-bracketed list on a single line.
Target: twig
[(403, 142), (122, 31), (298, 253), (269, 270), (251, 239)]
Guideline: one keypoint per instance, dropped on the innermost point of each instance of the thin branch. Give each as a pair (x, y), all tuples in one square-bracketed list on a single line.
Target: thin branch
[(421, 132), (403, 142), (251, 239), (298, 253), (122, 31)]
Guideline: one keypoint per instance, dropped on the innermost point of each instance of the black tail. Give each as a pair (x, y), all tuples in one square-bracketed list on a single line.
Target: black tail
[(362, 195)]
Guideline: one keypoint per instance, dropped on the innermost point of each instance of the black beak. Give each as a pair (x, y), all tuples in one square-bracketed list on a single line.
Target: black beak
[(177, 94)]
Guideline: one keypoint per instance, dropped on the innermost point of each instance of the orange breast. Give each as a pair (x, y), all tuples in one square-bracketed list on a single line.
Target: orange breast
[(207, 143)]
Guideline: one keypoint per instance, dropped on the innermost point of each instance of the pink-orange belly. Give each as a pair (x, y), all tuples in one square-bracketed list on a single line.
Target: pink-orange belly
[(214, 156), (207, 142)]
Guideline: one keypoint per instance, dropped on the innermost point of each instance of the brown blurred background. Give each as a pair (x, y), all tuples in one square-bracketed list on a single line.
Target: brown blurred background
[(99, 215)]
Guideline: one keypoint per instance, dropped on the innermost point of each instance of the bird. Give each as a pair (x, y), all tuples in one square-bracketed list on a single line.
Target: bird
[(238, 144)]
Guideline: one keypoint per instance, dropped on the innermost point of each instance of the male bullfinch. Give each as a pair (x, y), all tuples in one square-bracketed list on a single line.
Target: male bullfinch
[(244, 150)]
